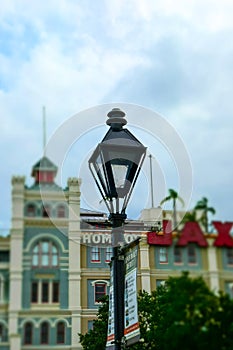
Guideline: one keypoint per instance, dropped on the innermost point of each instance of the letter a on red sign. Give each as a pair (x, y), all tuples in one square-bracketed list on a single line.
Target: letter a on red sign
[(192, 233)]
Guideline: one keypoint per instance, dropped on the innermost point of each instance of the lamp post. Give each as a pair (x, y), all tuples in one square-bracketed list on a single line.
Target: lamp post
[(115, 165)]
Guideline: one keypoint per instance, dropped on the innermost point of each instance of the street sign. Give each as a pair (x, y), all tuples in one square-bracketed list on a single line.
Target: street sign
[(111, 330), (131, 326)]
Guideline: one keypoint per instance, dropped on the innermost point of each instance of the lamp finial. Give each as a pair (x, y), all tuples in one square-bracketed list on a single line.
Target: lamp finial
[(116, 119)]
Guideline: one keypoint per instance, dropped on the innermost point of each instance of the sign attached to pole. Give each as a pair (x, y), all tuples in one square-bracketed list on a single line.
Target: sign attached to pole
[(131, 323), (111, 329), (131, 327)]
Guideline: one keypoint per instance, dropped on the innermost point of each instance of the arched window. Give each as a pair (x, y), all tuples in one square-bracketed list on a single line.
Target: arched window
[(45, 254), (31, 210), (177, 255), (44, 333), (46, 211), (54, 256), (60, 333), (1, 289), (95, 254), (108, 254), (3, 333), (28, 333), (100, 290), (61, 211), (229, 256), (229, 290), (163, 255), (192, 256)]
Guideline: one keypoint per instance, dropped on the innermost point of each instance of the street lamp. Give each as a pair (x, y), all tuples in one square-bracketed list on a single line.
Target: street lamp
[(115, 165)]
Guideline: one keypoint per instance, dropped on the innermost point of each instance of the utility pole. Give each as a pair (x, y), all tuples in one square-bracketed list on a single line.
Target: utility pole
[(151, 182), (44, 130)]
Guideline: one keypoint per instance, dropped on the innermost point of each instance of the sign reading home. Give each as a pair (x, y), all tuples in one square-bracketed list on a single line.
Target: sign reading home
[(104, 239)]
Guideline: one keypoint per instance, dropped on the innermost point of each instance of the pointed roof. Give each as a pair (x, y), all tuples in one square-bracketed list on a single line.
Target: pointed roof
[(44, 164), (44, 172)]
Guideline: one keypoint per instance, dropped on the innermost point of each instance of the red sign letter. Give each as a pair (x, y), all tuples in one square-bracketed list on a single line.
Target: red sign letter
[(192, 233), (224, 239), (161, 239)]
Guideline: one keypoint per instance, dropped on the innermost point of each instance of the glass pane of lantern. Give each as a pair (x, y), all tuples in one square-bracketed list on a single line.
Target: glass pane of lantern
[(98, 162), (99, 167), (119, 174), (124, 156)]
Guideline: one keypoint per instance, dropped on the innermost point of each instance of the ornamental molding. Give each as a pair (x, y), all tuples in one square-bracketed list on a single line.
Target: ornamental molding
[(41, 196), (44, 222), (74, 181), (17, 179)]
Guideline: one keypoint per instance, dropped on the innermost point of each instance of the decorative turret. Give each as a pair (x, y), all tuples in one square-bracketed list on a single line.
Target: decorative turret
[(44, 171)]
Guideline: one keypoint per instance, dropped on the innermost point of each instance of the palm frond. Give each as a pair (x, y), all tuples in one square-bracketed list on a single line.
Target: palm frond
[(212, 210), (166, 199), (181, 200)]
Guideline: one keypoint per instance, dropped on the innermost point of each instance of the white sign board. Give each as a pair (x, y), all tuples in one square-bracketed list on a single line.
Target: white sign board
[(132, 330), (111, 330)]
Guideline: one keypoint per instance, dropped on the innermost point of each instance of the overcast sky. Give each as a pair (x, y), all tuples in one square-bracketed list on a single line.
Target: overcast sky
[(173, 57)]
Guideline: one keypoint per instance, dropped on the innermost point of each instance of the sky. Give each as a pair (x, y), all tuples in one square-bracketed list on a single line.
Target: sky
[(172, 59)]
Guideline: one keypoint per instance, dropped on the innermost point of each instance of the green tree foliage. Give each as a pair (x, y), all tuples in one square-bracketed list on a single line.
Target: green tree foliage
[(190, 216), (190, 316), (95, 339), (203, 206), (182, 314), (173, 197)]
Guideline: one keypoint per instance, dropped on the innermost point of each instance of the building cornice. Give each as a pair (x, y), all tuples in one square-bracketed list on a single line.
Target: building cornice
[(46, 222), (50, 195)]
